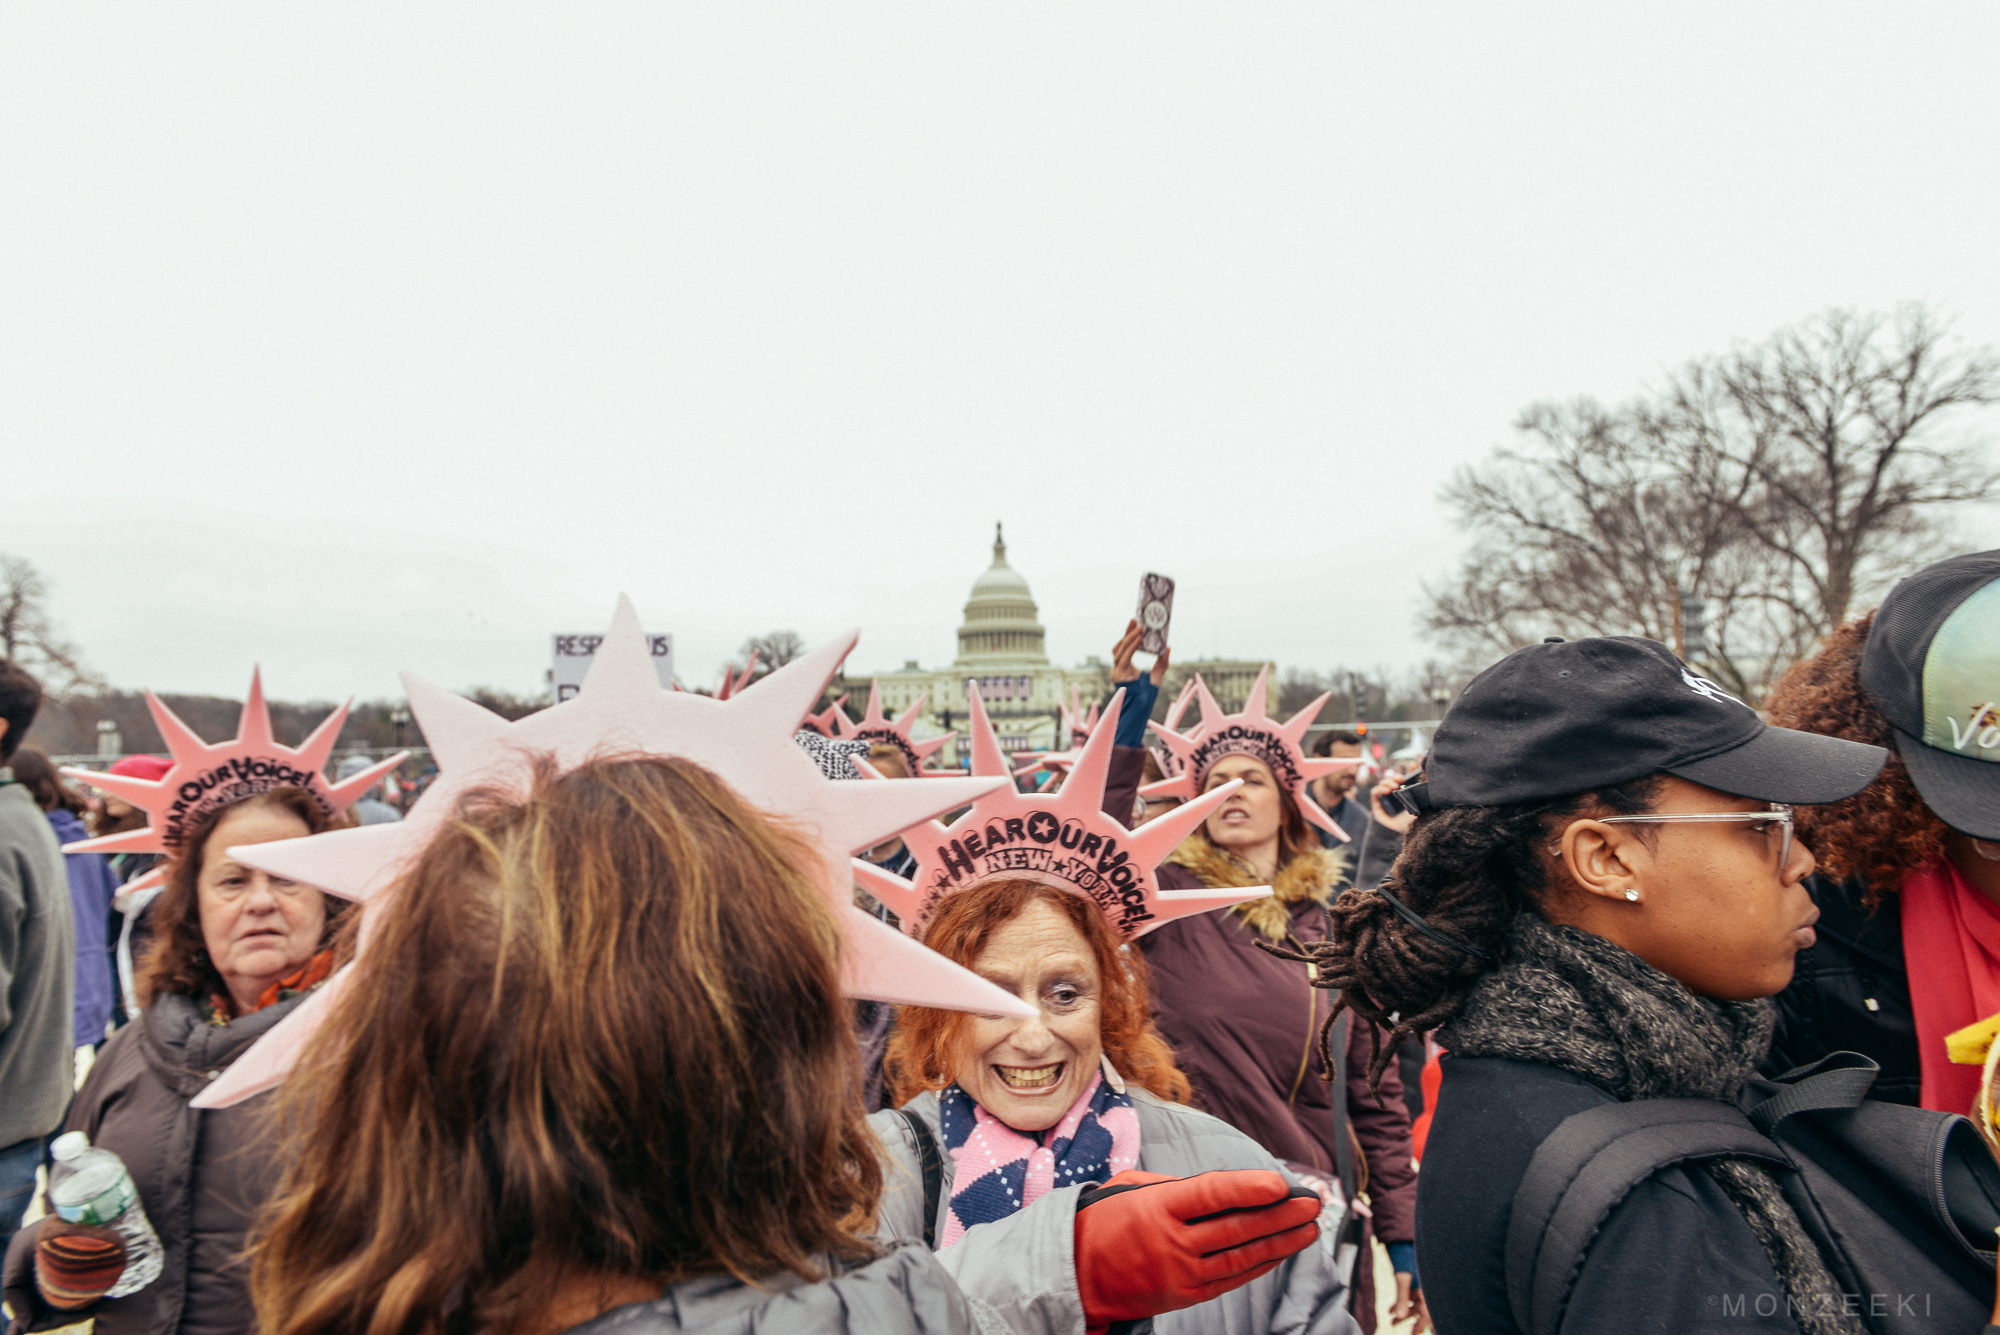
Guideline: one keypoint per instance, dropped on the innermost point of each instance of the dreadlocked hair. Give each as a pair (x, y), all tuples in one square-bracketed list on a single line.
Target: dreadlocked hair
[(1468, 872)]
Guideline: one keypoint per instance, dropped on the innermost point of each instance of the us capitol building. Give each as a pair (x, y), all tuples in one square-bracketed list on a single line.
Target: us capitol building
[(1000, 645)]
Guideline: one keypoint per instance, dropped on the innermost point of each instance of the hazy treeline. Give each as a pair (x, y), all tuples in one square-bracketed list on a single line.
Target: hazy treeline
[(69, 726)]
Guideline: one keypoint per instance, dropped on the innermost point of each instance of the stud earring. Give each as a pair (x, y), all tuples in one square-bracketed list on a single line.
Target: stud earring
[(1632, 895)]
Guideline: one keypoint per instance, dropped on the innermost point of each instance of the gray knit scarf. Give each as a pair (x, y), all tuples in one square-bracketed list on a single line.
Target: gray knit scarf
[(1567, 999)]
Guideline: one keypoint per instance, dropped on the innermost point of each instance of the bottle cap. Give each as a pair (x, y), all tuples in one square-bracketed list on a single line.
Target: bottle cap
[(68, 1145)]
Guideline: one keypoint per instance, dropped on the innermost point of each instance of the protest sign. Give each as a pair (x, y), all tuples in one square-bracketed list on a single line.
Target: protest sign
[(574, 652)]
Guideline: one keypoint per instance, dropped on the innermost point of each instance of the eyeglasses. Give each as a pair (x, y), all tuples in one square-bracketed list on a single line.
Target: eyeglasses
[(1778, 818)]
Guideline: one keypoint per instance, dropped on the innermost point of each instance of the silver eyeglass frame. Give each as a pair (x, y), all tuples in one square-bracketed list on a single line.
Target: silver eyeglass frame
[(1778, 812)]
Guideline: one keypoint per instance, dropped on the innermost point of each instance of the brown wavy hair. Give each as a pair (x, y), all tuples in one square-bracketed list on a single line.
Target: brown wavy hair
[(1886, 829), (925, 1051), (35, 772), (177, 963), (597, 1035)]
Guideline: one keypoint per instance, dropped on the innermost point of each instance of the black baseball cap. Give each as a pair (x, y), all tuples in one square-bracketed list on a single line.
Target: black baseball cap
[(1932, 666), (1571, 716)]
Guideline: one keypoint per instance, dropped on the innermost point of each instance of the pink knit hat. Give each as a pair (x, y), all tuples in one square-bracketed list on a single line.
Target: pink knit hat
[(142, 767)]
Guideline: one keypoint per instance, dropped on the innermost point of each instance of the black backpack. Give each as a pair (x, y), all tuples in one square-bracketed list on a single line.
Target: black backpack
[(1902, 1201)]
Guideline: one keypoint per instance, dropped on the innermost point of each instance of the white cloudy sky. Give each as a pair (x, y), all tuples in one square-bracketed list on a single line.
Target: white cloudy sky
[(368, 337)]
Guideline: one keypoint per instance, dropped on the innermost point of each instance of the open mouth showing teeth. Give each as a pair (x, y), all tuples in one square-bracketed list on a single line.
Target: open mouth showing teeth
[(1030, 1077)]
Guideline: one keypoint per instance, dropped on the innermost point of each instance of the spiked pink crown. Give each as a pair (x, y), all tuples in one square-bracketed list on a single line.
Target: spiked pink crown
[(622, 709), (823, 722), (875, 726), (1170, 763), (1250, 733), (1076, 723), (1062, 839), (204, 779), (731, 683)]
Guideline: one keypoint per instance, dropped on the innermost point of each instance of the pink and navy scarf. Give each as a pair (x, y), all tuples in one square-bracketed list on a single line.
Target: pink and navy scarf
[(999, 1170)]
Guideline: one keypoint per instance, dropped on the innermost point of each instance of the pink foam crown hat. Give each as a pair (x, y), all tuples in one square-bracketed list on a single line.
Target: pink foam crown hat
[(875, 726), (201, 779), (622, 709), (823, 722), (1061, 839), (1171, 764), (732, 683), (1077, 723), (1250, 733)]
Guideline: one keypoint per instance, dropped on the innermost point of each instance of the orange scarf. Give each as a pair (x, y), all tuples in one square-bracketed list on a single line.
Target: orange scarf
[(303, 979), (1951, 947)]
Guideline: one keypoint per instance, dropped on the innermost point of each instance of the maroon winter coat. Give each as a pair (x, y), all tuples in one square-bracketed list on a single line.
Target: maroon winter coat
[(1245, 1027)]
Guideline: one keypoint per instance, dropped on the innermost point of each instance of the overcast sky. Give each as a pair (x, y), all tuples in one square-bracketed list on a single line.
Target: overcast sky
[(362, 338)]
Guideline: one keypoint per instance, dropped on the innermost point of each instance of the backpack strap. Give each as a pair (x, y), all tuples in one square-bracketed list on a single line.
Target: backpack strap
[(931, 1161), (1585, 1167), (1837, 1080)]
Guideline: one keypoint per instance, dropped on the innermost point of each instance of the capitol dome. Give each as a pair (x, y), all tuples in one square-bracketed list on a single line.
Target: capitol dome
[(1000, 626)]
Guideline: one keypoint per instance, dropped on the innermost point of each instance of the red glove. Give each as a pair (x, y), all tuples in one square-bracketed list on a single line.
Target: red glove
[(1147, 1243), (75, 1264)]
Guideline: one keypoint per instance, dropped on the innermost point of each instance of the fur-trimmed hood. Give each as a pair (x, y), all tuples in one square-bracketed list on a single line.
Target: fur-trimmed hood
[(1313, 874)]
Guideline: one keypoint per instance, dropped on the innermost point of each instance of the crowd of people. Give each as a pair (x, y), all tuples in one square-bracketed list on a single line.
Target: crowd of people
[(667, 1013)]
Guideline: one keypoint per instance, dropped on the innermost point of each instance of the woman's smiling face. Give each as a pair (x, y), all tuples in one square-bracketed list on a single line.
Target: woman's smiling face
[(1028, 1073)]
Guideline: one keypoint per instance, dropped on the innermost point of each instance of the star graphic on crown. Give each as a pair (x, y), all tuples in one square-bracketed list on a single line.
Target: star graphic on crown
[(622, 709), (1062, 839)]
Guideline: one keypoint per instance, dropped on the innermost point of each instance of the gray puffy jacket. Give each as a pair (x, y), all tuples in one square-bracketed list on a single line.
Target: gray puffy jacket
[(1020, 1272), (904, 1292)]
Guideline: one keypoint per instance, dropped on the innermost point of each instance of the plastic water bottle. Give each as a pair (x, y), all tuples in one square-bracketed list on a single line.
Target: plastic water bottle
[(90, 1186)]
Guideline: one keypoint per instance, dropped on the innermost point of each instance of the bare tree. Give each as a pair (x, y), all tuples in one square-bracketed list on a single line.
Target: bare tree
[(1841, 421), (773, 650), (1592, 529), (28, 635), (1779, 483), (1298, 688)]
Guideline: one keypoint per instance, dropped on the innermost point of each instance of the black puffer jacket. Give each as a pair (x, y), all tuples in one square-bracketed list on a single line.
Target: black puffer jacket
[(1676, 1255), (1851, 993), (1567, 1022)]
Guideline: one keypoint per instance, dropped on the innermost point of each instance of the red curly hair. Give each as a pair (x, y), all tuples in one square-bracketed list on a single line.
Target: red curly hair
[(1886, 830), (925, 1050)]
